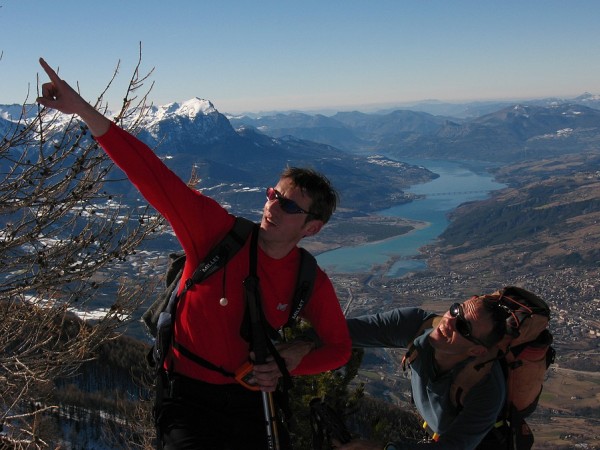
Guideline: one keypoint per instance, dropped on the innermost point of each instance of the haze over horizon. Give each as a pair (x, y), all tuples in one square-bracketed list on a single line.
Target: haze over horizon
[(270, 56)]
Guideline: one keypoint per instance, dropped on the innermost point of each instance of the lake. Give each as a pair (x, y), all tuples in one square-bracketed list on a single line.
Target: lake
[(458, 182)]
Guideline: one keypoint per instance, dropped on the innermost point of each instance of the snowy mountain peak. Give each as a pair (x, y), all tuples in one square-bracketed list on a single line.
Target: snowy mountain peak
[(190, 108), (196, 106)]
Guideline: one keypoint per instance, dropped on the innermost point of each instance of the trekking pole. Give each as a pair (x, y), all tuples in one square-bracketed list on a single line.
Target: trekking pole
[(260, 357), (270, 412), (259, 342), (270, 421)]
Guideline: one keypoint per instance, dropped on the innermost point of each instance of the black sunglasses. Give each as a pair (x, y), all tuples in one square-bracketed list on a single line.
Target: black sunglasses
[(287, 205), (463, 326)]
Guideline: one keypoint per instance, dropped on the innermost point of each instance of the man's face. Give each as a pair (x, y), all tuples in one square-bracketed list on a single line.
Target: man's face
[(279, 225), (453, 337)]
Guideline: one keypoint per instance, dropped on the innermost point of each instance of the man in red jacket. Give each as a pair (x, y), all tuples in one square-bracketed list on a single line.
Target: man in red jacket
[(209, 409)]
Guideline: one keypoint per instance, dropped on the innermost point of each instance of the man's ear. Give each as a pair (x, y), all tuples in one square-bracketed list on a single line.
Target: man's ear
[(312, 227)]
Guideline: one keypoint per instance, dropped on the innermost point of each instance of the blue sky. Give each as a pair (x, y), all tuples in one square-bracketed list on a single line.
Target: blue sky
[(307, 55)]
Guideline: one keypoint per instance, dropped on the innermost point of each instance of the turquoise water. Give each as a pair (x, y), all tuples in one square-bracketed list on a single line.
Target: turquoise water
[(457, 183)]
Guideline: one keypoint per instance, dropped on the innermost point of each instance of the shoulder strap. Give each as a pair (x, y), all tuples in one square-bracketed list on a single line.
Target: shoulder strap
[(222, 252), (471, 374), (258, 338), (216, 258), (305, 282), (174, 270), (411, 352), (259, 329), (260, 341)]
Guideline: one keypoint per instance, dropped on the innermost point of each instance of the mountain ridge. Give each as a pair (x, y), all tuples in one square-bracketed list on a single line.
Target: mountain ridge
[(237, 165), (194, 135)]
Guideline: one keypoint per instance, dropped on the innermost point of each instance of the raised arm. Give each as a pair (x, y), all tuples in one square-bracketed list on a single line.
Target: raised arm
[(160, 186), (394, 328), (57, 94)]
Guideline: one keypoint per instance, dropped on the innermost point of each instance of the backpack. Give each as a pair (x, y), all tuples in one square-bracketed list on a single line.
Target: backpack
[(160, 316), (525, 353)]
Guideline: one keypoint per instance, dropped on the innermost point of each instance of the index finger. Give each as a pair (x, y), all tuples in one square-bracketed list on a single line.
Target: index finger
[(49, 71)]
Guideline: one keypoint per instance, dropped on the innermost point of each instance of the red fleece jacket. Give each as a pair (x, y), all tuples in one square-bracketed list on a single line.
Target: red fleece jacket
[(203, 325)]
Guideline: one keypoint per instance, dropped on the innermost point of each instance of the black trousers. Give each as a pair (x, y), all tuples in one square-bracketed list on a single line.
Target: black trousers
[(191, 414)]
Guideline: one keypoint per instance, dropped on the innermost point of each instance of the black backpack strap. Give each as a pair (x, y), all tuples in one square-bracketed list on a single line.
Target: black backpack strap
[(222, 252), (256, 335), (217, 257), (174, 271), (201, 361), (259, 329), (307, 274)]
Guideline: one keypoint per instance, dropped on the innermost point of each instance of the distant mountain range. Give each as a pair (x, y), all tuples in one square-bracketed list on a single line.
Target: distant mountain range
[(496, 132), (470, 110), (236, 157), (236, 166)]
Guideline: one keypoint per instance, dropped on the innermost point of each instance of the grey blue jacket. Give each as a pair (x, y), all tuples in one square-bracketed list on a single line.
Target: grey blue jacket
[(458, 429)]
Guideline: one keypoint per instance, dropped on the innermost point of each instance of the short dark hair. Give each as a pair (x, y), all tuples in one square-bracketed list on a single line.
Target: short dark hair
[(316, 185)]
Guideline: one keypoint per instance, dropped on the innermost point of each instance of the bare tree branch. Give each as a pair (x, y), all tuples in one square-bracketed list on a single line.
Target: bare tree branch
[(63, 228)]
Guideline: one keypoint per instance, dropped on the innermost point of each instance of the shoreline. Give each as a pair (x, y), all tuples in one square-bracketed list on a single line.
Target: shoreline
[(333, 238)]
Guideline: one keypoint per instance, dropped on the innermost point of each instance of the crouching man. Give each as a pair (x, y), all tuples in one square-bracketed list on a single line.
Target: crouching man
[(442, 347)]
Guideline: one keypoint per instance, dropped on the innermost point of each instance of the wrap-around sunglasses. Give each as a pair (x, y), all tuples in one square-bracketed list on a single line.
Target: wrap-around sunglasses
[(288, 206), (463, 326)]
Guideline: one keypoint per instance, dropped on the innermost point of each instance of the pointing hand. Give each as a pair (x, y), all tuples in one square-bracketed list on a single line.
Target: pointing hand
[(57, 94)]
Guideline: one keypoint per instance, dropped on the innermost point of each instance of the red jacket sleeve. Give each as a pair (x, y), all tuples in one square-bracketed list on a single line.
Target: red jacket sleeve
[(185, 208), (325, 315)]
